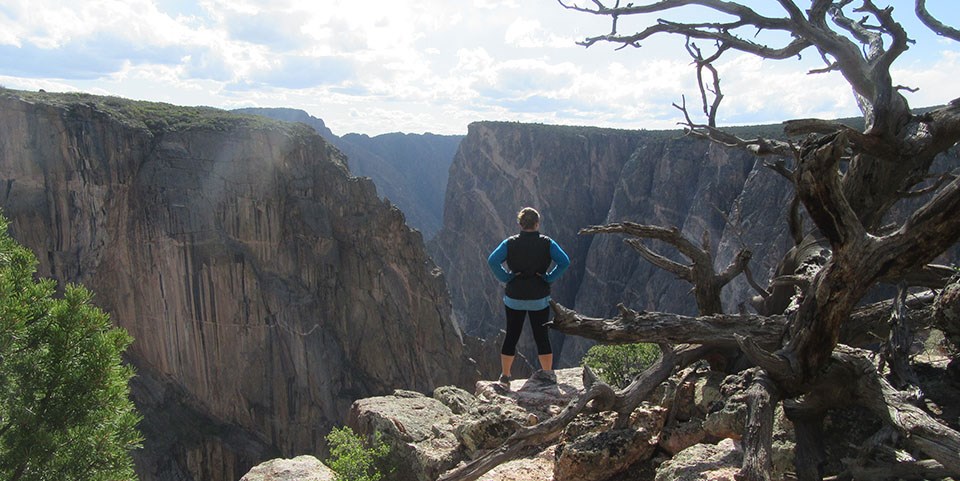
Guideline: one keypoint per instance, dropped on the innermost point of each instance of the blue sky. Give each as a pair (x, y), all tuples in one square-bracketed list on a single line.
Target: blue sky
[(417, 66)]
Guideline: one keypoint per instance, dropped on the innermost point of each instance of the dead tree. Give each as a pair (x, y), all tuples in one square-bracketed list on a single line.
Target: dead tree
[(847, 180)]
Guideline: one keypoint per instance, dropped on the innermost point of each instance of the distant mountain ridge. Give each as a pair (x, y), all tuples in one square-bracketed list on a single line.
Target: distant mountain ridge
[(408, 169)]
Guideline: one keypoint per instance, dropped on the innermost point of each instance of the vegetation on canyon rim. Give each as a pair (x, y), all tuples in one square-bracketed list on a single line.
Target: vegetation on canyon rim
[(618, 365), (352, 459), (65, 410)]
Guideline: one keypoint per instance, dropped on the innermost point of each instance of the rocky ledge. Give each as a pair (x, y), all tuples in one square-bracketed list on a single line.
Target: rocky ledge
[(431, 435)]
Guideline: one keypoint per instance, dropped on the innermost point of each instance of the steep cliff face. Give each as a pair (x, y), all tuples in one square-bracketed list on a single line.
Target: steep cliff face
[(579, 178), (266, 289), (568, 173), (582, 177), (410, 170), (681, 182)]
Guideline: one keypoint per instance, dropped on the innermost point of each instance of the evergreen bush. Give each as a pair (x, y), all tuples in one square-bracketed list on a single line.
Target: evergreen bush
[(618, 365), (65, 408), (352, 460)]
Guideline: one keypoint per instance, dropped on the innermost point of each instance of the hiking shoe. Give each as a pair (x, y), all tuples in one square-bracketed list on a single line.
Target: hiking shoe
[(504, 381), (545, 377)]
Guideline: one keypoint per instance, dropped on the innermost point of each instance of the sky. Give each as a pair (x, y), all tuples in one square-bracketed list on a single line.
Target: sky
[(378, 66)]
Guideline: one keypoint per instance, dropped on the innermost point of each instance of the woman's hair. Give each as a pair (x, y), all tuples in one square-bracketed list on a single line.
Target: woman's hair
[(528, 217)]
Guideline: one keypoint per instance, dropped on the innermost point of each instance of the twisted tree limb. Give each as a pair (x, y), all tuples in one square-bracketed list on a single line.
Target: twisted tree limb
[(932, 23), (762, 399), (631, 326), (707, 283), (599, 396), (919, 429)]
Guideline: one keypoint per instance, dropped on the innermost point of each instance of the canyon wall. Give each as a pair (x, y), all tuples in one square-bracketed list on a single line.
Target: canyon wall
[(265, 287), (568, 173), (409, 170), (579, 177)]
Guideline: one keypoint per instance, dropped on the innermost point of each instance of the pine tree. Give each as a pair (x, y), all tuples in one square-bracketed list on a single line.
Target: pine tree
[(65, 410)]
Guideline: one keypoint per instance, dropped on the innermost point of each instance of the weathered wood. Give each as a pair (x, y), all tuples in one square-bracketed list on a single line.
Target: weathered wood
[(847, 180), (934, 24), (707, 283), (919, 429), (896, 350), (631, 326), (762, 397), (598, 396), (920, 470), (809, 454)]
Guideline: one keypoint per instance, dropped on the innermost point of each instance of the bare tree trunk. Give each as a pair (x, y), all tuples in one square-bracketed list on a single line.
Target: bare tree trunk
[(762, 398)]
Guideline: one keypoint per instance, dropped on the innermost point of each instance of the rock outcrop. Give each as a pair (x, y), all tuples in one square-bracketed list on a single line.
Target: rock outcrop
[(300, 468), (430, 435), (410, 170), (265, 287)]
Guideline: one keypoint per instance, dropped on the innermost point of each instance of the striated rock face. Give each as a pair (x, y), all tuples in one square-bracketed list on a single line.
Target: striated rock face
[(266, 289), (409, 169), (568, 173), (578, 177)]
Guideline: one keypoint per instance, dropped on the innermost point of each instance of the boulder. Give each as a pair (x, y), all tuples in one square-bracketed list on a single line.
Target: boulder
[(300, 468), (703, 462), (682, 435), (488, 425), (538, 467), (430, 435), (542, 400), (458, 400), (590, 450), (418, 429), (706, 392), (596, 456)]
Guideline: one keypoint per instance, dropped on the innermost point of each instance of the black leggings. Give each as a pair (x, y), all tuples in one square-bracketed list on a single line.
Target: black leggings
[(515, 327)]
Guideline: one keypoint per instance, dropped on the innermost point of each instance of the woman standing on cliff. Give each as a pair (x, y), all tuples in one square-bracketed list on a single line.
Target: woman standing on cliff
[(528, 256)]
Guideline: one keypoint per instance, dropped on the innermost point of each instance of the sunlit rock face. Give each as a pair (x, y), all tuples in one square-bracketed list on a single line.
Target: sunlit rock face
[(410, 170), (266, 289)]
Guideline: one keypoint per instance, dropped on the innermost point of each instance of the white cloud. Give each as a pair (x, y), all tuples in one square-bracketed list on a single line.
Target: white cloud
[(937, 83), (438, 65), (525, 33), (496, 4)]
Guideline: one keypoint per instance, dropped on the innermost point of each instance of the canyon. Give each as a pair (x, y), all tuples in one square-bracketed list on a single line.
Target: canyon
[(578, 177), (725, 198), (409, 170), (266, 288)]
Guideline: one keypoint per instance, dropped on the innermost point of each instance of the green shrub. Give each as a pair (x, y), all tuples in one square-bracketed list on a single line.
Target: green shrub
[(351, 459), (65, 409), (618, 365)]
